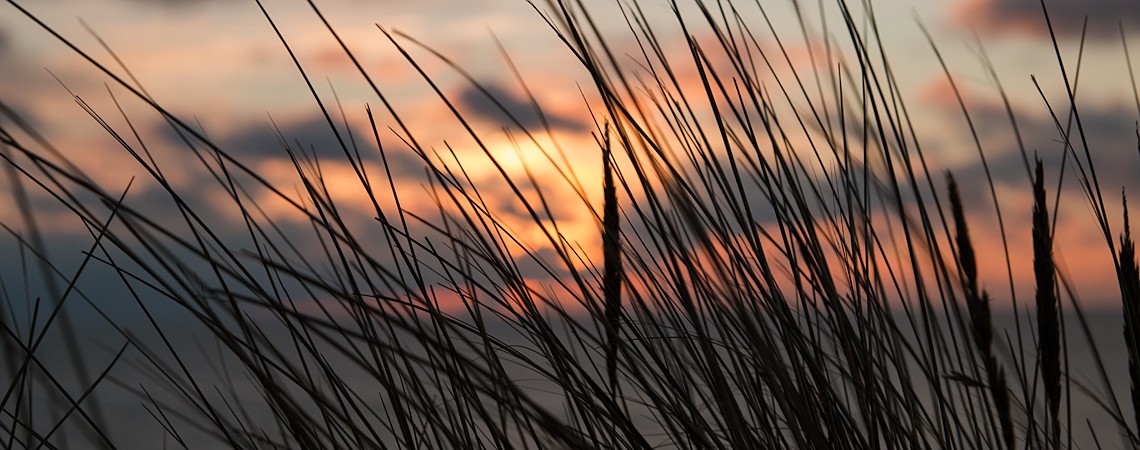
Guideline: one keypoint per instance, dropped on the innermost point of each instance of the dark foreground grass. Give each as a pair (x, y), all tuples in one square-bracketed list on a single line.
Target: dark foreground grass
[(777, 269)]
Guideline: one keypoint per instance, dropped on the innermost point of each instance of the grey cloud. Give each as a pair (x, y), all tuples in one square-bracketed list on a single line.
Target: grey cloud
[(193, 3), (311, 136), (1111, 135), (5, 43), (480, 104), (22, 115), (173, 3), (1067, 16)]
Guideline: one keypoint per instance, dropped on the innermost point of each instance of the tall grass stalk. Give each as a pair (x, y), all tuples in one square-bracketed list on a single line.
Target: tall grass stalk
[(611, 248), (1048, 320), (1129, 278), (981, 321)]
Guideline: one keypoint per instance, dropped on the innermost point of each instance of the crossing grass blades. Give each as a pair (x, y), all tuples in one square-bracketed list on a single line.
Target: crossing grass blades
[(777, 267)]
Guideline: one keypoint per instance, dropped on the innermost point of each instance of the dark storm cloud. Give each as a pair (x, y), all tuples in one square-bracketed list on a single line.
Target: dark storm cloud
[(477, 102), (1067, 16)]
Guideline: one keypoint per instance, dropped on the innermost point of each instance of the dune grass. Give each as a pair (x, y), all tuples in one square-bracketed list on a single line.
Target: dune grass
[(777, 269)]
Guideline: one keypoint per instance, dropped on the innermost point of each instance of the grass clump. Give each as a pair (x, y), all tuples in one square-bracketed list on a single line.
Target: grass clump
[(776, 268), (1129, 278), (1048, 323), (981, 321)]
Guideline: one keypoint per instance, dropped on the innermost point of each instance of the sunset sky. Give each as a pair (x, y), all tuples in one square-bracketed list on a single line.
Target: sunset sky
[(218, 63)]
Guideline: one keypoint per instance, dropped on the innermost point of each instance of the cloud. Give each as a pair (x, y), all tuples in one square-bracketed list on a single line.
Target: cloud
[(1110, 131), (185, 3), (173, 3), (22, 114), (309, 136), (476, 102), (5, 43), (1026, 16)]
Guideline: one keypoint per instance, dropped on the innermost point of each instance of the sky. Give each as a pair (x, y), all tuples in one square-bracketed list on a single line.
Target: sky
[(219, 65)]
